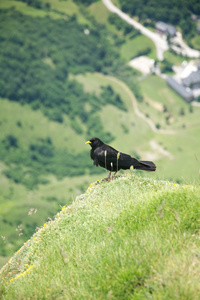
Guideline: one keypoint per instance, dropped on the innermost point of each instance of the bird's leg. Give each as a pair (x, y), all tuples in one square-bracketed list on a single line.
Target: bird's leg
[(108, 178), (109, 175), (114, 174)]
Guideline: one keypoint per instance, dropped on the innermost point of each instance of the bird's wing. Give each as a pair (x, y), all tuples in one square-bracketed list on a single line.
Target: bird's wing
[(126, 161), (107, 155)]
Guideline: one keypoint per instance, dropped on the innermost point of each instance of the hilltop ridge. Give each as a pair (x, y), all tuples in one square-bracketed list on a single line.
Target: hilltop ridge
[(130, 238)]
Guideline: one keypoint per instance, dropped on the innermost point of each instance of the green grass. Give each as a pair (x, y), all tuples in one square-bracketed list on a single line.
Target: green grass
[(184, 146), (91, 82), (57, 11), (100, 11), (27, 10), (69, 8), (34, 125), (196, 42), (174, 59), (131, 238), (157, 90), (133, 46)]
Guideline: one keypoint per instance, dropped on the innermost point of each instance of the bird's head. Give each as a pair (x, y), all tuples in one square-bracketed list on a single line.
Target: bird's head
[(94, 142)]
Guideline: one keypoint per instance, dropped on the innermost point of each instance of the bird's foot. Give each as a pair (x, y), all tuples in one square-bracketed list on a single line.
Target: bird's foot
[(114, 175), (108, 178)]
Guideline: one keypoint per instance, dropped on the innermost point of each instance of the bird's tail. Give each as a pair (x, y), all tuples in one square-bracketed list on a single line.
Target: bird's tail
[(146, 166)]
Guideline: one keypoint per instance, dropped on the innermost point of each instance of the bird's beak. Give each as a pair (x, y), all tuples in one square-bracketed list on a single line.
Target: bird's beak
[(88, 142)]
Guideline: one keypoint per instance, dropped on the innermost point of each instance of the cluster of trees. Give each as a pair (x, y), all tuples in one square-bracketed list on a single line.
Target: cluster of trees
[(37, 4), (176, 12), (30, 166), (85, 2), (166, 66), (144, 51), (110, 97), (121, 25), (37, 55)]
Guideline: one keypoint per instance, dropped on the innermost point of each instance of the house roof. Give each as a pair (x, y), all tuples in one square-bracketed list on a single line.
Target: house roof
[(167, 28), (193, 78), (179, 88)]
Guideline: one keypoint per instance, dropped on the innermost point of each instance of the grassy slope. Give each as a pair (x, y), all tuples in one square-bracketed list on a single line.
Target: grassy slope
[(196, 42), (174, 59), (26, 9), (58, 8), (156, 89), (132, 238), (31, 123), (184, 145), (132, 47)]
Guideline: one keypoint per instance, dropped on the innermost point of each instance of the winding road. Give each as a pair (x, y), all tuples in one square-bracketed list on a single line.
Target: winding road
[(160, 43)]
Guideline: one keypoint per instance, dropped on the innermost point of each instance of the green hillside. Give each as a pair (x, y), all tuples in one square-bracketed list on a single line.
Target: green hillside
[(131, 238), (64, 77)]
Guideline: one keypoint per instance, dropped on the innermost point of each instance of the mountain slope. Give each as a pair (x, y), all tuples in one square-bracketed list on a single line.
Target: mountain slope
[(131, 238)]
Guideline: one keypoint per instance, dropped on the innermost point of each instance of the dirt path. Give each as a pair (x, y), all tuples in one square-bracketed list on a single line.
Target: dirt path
[(157, 153), (157, 105), (155, 146), (135, 107)]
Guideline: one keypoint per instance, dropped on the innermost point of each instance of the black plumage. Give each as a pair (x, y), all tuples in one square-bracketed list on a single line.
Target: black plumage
[(109, 158)]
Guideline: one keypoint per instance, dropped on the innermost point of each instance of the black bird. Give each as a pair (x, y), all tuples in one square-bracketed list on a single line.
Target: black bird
[(107, 157)]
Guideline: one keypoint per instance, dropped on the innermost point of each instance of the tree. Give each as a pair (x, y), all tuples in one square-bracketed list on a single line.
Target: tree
[(10, 141), (182, 111)]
